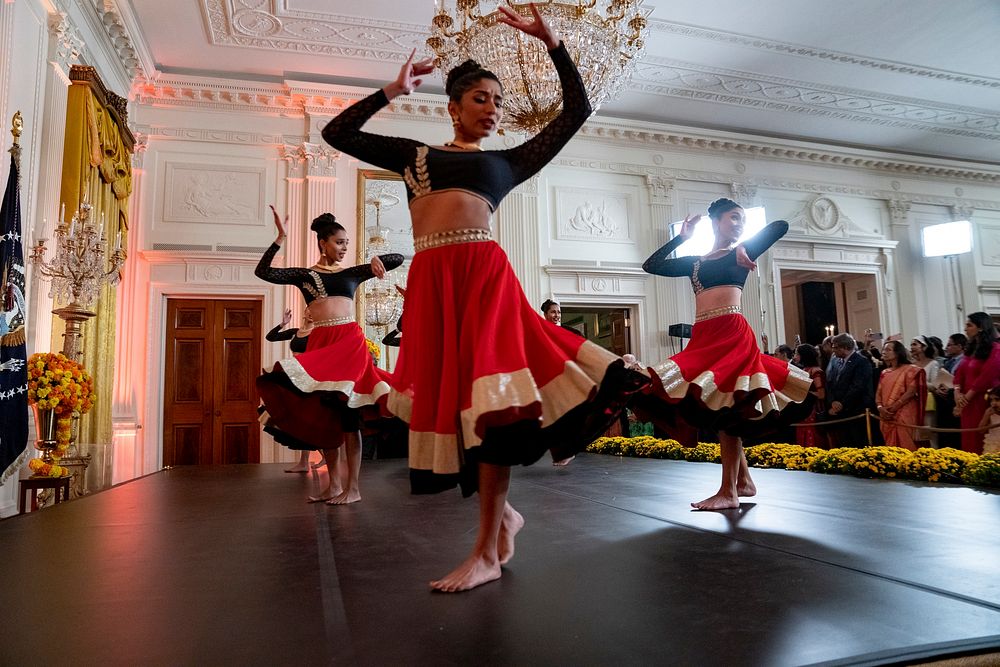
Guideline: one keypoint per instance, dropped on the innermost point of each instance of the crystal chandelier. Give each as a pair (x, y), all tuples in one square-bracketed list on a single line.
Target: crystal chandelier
[(383, 304), (604, 37), (78, 271)]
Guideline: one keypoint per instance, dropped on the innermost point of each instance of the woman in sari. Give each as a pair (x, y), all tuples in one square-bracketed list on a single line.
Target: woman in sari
[(901, 396)]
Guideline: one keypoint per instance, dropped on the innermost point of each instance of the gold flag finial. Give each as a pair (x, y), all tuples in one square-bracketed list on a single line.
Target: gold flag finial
[(17, 125)]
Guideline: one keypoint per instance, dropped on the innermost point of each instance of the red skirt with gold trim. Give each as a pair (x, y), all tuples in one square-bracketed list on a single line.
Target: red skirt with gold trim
[(312, 399), (482, 377), (722, 382)]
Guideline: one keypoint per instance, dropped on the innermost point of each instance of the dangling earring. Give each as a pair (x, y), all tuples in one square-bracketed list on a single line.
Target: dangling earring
[(455, 123)]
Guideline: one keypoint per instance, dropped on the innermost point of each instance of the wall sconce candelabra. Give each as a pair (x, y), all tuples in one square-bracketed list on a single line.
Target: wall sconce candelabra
[(78, 271)]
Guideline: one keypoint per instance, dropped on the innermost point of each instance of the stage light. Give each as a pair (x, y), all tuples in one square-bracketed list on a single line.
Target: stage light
[(949, 238)]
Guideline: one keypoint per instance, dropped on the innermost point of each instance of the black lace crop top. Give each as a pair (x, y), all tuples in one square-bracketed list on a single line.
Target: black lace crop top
[(298, 343), (718, 272), (489, 175), (319, 284)]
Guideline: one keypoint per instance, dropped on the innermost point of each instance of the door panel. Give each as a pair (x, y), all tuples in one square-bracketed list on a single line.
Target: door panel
[(210, 406)]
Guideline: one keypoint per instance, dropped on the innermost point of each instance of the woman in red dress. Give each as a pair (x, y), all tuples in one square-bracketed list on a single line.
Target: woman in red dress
[(721, 381), (807, 358), (315, 397), (483, 382), (978, 373)]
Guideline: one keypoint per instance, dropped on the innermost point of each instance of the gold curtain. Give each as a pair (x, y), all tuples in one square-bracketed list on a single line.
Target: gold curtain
[(97, 163)]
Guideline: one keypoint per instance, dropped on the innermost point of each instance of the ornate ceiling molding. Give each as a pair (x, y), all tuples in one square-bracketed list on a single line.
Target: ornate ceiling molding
[(262, 24), (67, 44), (805, 186), (802, 51), (295, 99), (673, 78)]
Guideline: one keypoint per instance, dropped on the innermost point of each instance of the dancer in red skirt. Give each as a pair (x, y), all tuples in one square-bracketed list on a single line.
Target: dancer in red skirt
[(721, 381), (483, 382), (315, 397)]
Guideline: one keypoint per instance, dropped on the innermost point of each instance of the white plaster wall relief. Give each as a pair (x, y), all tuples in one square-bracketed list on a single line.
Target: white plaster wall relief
[(213, 194), (661, 188), (585, 214), (821, 216)]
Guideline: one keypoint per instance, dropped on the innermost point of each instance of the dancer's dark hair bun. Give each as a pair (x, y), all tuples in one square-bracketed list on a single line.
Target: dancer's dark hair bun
[(720, 206), (461, 77), (326, 225)]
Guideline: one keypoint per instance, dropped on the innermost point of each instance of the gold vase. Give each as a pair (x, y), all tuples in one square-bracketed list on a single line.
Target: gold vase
[(45, 431)]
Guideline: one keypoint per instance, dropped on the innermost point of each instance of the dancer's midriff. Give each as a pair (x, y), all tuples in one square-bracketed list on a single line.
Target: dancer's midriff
[(329, 308), (449, 210), (714, 298)]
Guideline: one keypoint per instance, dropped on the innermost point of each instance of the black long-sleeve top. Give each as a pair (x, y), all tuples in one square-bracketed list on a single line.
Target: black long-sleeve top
[(320, 284), (298, 343), (721, 271), (489, 175)]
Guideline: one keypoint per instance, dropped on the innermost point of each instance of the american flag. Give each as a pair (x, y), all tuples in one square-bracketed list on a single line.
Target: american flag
[(13, 355)]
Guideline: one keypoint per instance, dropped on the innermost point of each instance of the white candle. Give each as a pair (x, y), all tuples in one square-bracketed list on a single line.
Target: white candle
[(118, 240), (62, 214), (72, 227)]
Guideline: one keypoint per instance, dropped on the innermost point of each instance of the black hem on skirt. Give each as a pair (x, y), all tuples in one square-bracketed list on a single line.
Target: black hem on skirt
[(525, 442)]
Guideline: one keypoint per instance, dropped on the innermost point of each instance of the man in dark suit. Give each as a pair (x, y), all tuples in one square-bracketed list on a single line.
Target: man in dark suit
[(848, 393)]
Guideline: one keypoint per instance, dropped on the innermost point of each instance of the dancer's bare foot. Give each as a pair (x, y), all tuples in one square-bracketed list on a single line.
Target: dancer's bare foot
[(745, 488), (723, 500), (345, 498), (477, 570), (297, 469), (329, 493), (563, 462), (510, 525)]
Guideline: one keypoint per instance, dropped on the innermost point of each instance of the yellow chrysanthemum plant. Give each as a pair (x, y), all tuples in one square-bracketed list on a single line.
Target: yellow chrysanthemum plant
[(374, 350), (62, 385), (931, 465)]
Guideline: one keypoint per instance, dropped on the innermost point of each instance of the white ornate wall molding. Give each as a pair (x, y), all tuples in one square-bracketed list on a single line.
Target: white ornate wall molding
[(67, 45), (962, 211), (121, 36), (648, 134), (822, 216), (899, 212), (309, 159), (744, 194), (660, 188), (674, 78), (201, 135), (139, 150), (868, 252), (825, 55), (296, 99), (270, 25)]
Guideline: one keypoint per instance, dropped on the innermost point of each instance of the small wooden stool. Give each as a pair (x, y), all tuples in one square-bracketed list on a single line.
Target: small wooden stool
[(32, 484)]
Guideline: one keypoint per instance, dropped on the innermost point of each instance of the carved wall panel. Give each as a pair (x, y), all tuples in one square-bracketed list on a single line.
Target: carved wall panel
[(215, 194), (583, 214)]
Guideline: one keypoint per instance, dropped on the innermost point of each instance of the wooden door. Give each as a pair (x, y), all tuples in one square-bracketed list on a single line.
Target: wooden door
[(212, 360)]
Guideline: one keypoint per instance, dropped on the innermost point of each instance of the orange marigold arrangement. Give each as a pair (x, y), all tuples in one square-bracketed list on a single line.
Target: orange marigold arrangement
[(62, 385)]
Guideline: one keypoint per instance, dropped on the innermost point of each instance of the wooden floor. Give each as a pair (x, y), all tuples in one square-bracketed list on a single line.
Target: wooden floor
[(228, 565)]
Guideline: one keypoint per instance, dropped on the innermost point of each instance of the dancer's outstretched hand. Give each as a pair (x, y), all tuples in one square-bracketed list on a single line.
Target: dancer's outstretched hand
[(743, 259), (279, 225), (409, 76), (537, 28), (286, 318), (687, 227), (378, 268)]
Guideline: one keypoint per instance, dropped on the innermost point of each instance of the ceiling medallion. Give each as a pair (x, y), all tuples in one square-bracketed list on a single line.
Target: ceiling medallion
[(604, 37)]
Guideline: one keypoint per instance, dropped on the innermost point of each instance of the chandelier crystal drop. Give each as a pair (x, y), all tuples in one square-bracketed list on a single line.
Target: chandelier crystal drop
[(604, 37)]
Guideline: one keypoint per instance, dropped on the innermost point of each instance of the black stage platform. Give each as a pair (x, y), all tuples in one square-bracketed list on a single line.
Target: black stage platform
[(228, 565)]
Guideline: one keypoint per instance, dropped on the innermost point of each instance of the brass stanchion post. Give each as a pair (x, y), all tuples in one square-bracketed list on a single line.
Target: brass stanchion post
[(868, 425)]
